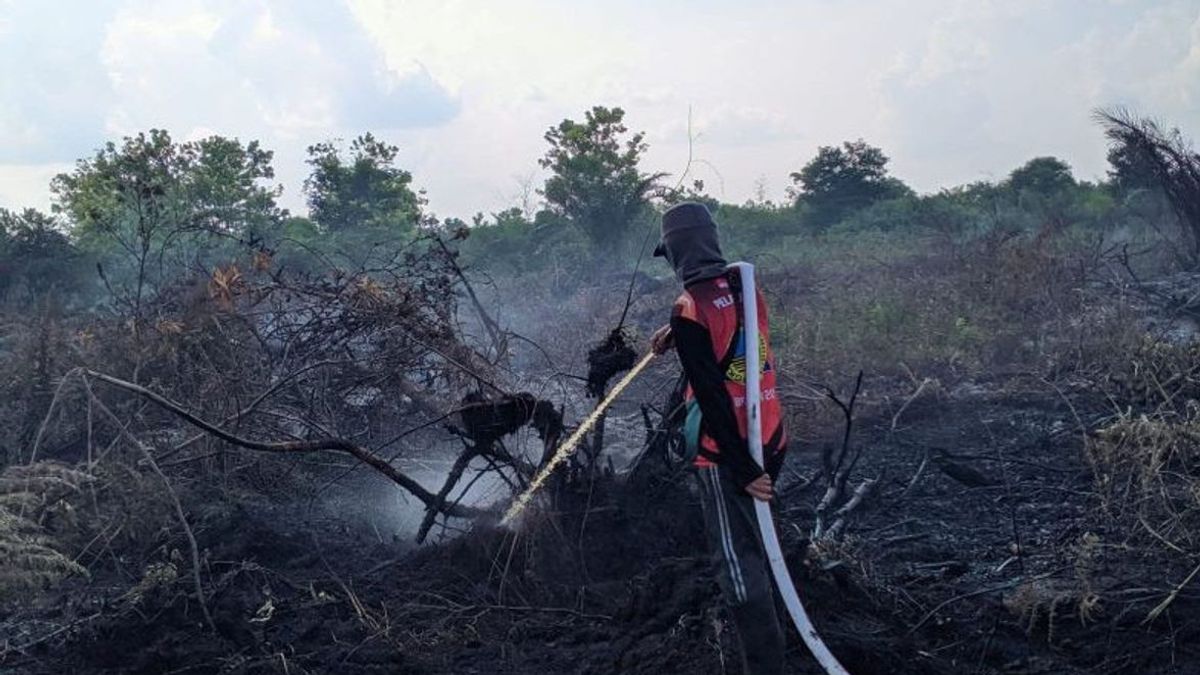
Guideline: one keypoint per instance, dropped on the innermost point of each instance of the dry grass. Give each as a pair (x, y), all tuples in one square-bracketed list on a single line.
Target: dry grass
[(35, 501), (1147, 469)]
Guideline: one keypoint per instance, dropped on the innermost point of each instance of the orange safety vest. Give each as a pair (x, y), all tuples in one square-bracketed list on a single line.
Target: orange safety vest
[(715, 304)]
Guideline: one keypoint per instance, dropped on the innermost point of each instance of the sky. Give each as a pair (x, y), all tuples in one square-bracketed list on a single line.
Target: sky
[(954, 91)]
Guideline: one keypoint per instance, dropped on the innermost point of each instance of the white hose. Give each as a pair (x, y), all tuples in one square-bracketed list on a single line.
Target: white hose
[(766, 525)]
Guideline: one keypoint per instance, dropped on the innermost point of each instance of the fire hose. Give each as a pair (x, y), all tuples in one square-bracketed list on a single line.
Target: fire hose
[(766, 525)]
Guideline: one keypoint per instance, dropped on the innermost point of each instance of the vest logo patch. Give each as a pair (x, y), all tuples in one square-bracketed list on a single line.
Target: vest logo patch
[(736, 372), (723, 302)]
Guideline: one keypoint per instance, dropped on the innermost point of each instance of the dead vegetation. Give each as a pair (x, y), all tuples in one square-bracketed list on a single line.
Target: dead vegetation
[(35, 505)]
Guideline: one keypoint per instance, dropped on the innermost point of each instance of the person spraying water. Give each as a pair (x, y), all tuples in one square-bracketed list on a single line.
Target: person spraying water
[(735, 431)]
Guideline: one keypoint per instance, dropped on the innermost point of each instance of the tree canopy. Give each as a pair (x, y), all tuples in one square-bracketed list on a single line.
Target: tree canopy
[(595, 181), (151, 203), (150, 186), (841, 180), (360, 189), (1042, 175), (36, 254)]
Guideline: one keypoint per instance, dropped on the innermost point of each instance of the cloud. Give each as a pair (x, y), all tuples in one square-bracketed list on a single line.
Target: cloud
[(731, 125), (53, 90), (297, 68), (953, 90), (25, 186), (994, 84), (71, 79)]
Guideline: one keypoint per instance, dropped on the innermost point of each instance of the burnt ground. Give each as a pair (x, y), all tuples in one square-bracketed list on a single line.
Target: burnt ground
[(1016, 574)]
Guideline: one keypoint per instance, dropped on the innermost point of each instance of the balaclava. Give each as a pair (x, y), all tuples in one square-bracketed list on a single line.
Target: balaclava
[(689, 243)]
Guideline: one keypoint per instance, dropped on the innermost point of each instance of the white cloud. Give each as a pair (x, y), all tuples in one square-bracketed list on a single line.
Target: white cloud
[(52, 88), (953, 90), (298, 70), (994, 85), (24, 186)]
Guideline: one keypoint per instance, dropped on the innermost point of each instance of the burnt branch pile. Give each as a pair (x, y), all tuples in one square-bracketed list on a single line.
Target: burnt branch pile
[(367, 365)]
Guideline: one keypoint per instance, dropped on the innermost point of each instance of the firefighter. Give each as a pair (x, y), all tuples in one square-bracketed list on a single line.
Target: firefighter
[(706, 332)]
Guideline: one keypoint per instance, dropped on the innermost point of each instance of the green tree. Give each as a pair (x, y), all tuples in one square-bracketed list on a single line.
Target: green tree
[(595, 181), (1046, 195), (149, 204), (1130, 170), (36, 255), (841, 180), (361, 190), (1043, 176)]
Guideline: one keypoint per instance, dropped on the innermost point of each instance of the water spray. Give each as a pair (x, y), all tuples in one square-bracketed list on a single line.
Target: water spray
[(766, 525), (570, 444)]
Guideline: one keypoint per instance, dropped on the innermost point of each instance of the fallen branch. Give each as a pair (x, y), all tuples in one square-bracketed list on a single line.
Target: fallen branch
[(1162, 606), (233, 417), (489, 323), (841, 516), (335, 444), (456, 472), (916, 475), (982, 591), (916, 394)]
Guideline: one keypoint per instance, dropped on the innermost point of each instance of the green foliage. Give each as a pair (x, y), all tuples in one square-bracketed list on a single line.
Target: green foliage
[(149, 207), (595, 181), (1042, 194), (150, 187), (689, 193), (361, 189), (36, 256), (840, 180), (944, 212), (1042, 175), (754, 228), (510, 243), (1130, 170)]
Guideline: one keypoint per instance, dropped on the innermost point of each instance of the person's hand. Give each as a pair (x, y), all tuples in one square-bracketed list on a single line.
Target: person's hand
[(761, 488), (662, 340)]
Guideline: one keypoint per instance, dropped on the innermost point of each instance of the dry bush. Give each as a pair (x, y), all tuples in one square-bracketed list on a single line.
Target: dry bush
[(272, 355), (1147, 469), (1150, 373), (1174, 165), (1044, 604), (35, 506)]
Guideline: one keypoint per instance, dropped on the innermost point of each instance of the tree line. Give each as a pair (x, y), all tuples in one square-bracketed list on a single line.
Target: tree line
[(141, 212)]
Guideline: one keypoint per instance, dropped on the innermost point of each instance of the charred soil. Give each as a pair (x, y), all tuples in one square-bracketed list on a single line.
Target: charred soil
[(982, 552)]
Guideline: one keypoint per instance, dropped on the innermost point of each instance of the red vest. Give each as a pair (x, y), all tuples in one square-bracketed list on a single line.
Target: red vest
[(716, 306)]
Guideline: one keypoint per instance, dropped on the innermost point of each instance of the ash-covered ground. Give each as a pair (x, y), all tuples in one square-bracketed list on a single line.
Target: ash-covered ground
[(971, 558)]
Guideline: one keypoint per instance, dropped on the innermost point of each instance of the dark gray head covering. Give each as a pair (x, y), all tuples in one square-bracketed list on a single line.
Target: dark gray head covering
[(690, 244)]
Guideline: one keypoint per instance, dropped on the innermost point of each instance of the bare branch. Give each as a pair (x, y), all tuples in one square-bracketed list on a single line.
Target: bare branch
[(335, 444)]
